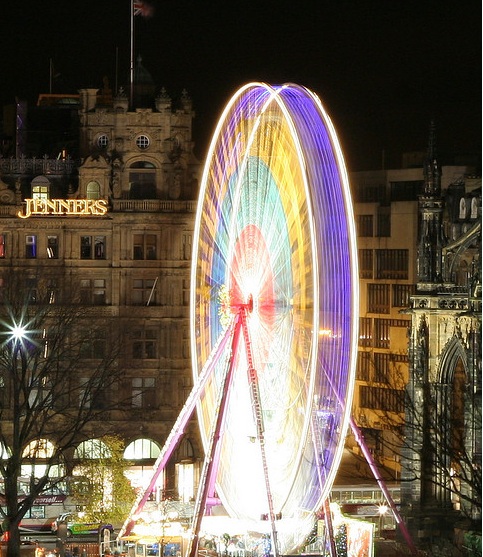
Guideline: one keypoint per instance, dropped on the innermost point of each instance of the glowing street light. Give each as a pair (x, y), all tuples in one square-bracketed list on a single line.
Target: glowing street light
[(382, 510), (18, 332)]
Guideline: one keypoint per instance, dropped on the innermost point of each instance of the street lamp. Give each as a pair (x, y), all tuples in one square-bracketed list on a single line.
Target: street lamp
[(18, 332), (382, 510)]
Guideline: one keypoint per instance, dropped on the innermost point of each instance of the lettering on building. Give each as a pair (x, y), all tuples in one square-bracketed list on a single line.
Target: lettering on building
[(77, 207)]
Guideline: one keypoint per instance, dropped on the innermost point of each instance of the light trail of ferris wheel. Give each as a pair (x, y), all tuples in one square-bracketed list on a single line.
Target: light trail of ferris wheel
[(274, 262), (274, 225)]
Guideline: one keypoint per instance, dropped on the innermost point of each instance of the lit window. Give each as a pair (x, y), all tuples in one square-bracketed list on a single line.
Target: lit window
[(30, 247), (141, 449), (365, 331), (40, 448), (2, 246), (364, 365), (378, 296), (401, 295), (52, 247), (40, 191), (92, 449), (142, 141), (381, 367), (392, 263), (93, 190)]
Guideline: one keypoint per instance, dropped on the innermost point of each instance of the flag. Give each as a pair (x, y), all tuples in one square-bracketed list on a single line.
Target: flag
[(142, 8)]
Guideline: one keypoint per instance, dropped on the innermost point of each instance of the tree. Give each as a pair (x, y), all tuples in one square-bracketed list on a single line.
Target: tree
[(59, 371), (103, 490), (429, 428)]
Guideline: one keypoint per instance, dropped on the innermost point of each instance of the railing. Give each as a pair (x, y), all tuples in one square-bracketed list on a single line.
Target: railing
[(24, 165), (153, 206)]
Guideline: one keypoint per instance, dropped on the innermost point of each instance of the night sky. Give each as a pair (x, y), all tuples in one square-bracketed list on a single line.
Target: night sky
[(382, 68)]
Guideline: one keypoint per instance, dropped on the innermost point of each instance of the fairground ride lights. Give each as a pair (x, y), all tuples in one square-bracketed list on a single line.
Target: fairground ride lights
[(77, 207)]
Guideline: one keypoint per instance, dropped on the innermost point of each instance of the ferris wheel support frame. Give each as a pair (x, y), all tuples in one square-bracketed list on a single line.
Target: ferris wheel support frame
[(210, 463)]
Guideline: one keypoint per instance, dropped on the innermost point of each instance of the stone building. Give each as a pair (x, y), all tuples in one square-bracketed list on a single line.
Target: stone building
[(419, 234), (121, 223), (441, 458)]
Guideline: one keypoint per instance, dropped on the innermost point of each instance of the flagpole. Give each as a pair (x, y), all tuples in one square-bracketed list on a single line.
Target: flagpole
[(131, 76)]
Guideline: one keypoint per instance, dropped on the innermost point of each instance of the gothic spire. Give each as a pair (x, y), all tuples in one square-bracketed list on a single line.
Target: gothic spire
[(432, 173)]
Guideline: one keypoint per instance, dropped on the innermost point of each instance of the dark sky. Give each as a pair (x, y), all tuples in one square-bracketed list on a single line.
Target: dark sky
[(382, 68)]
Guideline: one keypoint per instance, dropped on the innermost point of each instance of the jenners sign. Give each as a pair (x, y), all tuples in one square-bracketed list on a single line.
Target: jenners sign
[(56, 207)]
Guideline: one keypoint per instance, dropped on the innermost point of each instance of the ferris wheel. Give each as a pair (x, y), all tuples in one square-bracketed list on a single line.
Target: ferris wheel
[(274, 296)]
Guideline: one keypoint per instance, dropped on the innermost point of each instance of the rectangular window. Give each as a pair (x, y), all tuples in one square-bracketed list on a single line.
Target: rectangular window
[(143, 392), (406, 190), (93, 292), (94, 347), (401, 295), (40, 191), (144, 291), (52, 247), (36, 511), (381, 398), (365, 331), (30, 247), (392, 263), (382, 330), (31, 288), (145, 344), (144, 246), (365, 226), (381, 367), (93, 247), (363, 366), (371, 193), (366, 262), (378, 296), (91, 395), (2, 246), (383, 222)]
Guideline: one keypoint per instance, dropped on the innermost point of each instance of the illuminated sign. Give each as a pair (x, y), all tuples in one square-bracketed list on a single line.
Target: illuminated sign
[(56, 207)]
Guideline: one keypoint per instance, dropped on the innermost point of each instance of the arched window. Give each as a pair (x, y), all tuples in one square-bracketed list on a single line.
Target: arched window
[(92, 449), (142, 180), (93, 190), (40, 188), (37, 457), (140, 473), (142, 449), (40, 448)]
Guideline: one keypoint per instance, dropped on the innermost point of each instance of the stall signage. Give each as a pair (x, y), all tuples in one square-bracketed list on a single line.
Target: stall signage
[(57, 207)]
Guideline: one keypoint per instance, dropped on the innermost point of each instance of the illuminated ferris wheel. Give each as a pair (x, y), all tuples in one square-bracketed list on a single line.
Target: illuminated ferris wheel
[(274, 296)]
